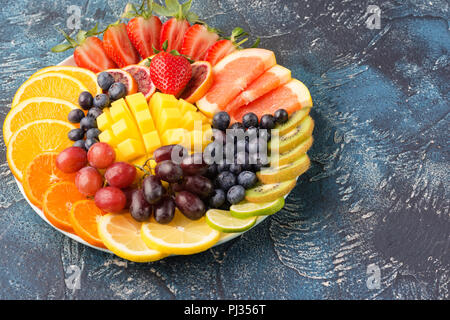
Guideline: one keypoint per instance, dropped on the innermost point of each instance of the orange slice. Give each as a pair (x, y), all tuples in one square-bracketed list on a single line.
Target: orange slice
[(269, 80), (35, 109), (201, 81), (83, 217), (58, 201), (232, 75), (53, 85), (35, 138), (292, 96), (87, 77), (40, 174)]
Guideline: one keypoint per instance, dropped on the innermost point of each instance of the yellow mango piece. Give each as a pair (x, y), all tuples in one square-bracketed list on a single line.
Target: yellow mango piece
[(186, 106), (119, 157), (161, 101), (137, 102), (104, 121), (124, 129), (119, 110), (131, 149), (108, 137), (175, 136), (151, 141), (169, 119), (188, 120), (145, 121)]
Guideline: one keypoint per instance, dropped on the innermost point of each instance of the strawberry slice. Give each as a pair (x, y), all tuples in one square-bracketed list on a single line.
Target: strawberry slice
[(222, 48), (174, 29), (89, 51), (144, 29), (118, 46), (219, 50), (197, 40)]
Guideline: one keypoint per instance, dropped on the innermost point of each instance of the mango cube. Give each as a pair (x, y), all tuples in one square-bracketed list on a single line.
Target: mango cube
[(137, 102), (160, 101), (131, 149), (145, 121), (119, 110), (186, 106), (188, 120), (104, 121), (151, 141), (175, 136), (168, 119), (125, 128), (108, 137)]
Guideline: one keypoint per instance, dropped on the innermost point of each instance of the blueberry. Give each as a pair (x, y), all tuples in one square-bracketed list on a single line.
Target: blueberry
[(102, 101), (221, 167), (226, 180), (247, 179), (267, 122), (93, 133), (281, 116), (259, 162), (94, 112), (90, 142), (76, 134), (235, 169), (105, 80), (75, 116), (252, 132), (221, 120), (237, 125), (219, 135), (85, 100), (250, 120), (117, 91), (236, 194), (88, 123), (80, 144), (218, 199)]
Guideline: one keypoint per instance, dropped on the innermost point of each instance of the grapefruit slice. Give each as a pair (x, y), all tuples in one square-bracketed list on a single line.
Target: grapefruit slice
[(142, 76), (201, 81), (232, 75), (268, 81), (126, 78), (291, 96)]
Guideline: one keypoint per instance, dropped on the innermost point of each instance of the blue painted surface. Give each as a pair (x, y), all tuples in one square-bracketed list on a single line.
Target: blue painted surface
[(377, 193)]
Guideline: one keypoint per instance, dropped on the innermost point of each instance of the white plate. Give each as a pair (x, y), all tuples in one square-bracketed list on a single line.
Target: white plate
[(225, 237)]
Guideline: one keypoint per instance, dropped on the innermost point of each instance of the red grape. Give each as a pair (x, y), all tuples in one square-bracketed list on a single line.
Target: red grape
[(169, 171), (120, 175), (190, 205), (88, 181), (110, 199), (71, 159), (165, 153), (165, 210), (140, 209), (199, 185), (101, 155)]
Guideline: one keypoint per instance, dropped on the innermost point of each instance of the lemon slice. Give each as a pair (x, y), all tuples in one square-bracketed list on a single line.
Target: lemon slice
[(181, 236), (249, 209), (87, 77), (35, 109), (53, 85), (120, 233), (223, 221)]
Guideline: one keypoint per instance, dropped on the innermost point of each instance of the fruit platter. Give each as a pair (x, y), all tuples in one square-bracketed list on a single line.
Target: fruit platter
[(159, 136)]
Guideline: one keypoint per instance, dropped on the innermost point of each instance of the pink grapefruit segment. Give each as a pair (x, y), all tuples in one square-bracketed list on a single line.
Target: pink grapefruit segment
[(268, 81), (232, 75), (292, 96)]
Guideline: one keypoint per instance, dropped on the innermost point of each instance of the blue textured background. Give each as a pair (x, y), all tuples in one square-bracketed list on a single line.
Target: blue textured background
[(377, 193)]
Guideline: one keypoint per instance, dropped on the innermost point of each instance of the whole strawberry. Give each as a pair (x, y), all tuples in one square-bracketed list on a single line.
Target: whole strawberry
[(170, 72)]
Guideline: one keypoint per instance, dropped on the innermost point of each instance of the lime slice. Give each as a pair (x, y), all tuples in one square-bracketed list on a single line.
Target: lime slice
[(223, 221), (245, 210)]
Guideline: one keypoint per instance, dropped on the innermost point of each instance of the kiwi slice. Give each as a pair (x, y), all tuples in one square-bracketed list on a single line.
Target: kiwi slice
[(292, 154), (269, 192), (286, 172), (294, 137), (293, 121)]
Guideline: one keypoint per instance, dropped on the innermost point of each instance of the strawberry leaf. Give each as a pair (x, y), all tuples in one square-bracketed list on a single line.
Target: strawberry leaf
[(81, 36), (186, 7), (165, 45), (256, 44), (162, 11), (172, 5)]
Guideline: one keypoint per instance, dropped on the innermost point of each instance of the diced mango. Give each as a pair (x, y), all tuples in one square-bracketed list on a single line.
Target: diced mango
[(119, 157), (151, 141), (161, 101), (119, 110), (186, 106), (125, 128), (188, 120), (108, 137), (144, 121), (104, 121), (137, 102), (175, 136), (168, 119), (131, 149)]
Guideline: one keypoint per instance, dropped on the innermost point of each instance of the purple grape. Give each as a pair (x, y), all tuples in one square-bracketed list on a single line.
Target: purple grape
[(190, 205), (140, 209), (169, 171), (165, 210), (153, 189)]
